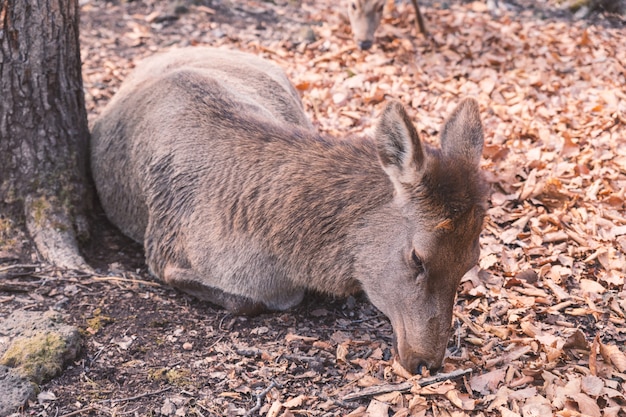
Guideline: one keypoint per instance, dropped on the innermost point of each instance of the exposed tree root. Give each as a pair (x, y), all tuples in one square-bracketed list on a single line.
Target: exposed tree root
[(53, 235)]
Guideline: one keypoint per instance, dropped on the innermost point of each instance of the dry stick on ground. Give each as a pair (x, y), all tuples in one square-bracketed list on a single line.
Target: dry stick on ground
[(115, 400), (20, 287), (257, 353), (338, 403), (136, 397), (80, 411), (15, 266), (405, 386), (259, 398), (129, 280), (331, 56)]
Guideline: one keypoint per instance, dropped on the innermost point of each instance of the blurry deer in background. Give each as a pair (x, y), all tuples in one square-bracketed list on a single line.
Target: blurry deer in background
[(365, 16)]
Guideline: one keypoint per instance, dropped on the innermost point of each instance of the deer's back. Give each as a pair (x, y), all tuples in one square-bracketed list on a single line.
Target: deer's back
[(173, 117)]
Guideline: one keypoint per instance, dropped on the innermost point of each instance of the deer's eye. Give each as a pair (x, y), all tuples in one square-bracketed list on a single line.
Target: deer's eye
[(418, 264), (353, 4)]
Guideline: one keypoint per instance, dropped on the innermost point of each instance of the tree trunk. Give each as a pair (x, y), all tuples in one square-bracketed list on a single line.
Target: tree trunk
[(43, 126)]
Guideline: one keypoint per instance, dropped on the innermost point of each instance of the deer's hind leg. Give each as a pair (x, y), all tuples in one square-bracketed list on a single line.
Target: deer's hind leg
[(186, 280)]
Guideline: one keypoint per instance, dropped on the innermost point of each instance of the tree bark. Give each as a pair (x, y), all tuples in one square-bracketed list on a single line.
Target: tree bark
[(43, 126)]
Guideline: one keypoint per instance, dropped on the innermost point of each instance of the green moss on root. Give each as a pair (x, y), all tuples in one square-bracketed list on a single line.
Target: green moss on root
[(38, 358)]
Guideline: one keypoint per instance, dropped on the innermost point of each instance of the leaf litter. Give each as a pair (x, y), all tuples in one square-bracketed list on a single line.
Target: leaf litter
[(540, 321)]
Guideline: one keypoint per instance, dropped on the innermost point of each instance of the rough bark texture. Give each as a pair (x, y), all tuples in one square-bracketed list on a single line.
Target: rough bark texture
[(43, 125)]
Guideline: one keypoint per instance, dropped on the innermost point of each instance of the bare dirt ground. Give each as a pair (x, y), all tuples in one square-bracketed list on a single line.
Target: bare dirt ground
[(540, 322)]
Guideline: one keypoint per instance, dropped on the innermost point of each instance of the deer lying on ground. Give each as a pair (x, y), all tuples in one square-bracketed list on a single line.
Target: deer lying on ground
[(365, 16), (207, 157)]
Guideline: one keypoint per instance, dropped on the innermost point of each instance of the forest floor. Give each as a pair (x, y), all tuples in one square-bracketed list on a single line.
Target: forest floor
[(541, 322)]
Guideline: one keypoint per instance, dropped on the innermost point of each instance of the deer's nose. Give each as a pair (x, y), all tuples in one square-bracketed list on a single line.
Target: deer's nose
[(365, 45), (422, 367), (419, 366)]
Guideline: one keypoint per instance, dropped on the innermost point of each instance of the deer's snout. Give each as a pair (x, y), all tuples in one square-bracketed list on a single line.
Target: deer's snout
[(417, 365), (416, 361)]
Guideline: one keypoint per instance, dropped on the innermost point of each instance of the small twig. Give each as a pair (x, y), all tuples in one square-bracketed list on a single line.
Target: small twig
[(136, 397), (257, 353), (16, 266), (331, 56), (65, 277), (442, 377), (80, 411), (338, 403), (405, 386), (366, 319), (259, 398), (203, 408), (98, 353), (303, 358), (18, 287), (125, 413), (219, 339), (130, 280), (509, 357), (195, 410), (113, 401), (222, 321)]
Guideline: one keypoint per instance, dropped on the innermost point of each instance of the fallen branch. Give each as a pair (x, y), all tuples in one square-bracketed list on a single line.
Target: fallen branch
[(115, 400), (129, 280), (303, 358), (79, 411), (259, 398), (136, 397), (21, 287), (257, 353), (89, 409), (405, 386), (510, 357), (338, 403), (20, 266), (96, 406)]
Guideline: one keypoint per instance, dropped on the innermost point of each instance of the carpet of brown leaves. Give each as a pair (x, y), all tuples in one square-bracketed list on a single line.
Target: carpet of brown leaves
[(540, 322)]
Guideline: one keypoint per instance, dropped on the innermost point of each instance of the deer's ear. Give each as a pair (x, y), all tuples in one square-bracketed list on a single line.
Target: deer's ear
[(399, 147), (462, 133)]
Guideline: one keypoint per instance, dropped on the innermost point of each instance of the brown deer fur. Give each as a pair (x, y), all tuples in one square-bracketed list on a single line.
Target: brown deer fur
[(207, 157)]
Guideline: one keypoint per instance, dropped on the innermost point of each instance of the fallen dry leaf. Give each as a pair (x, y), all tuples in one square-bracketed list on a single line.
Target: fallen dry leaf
[(461, 401), (587, 405), (295, 402), (399, 370), (612, 354), (591, 287), (342, 352), (593, 355), (377, 409), (274, 409), (487, 383), (537, 406), (592, 385)]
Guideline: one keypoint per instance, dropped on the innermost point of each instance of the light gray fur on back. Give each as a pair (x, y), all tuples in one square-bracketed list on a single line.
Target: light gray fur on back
[(145, 121)]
